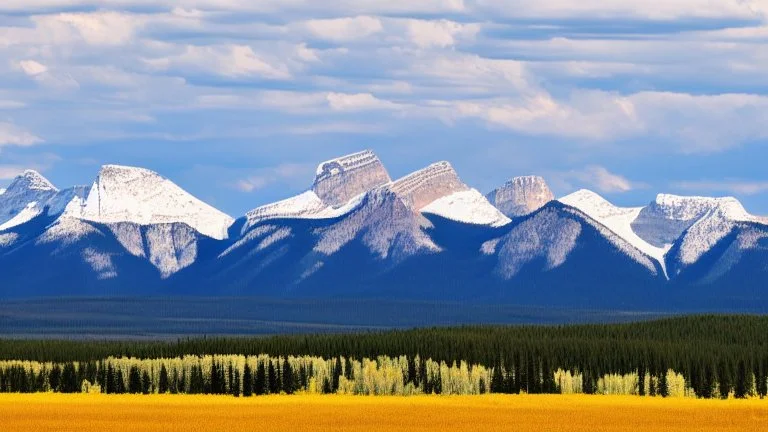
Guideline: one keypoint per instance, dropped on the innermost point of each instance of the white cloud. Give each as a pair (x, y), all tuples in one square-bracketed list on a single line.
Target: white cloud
[(640, 9), (101, 28), (283, 173), (357, 102), (599, 178), (32, 68), (8, 172), (12, 135), (234, 61), (45, 77), (439, 33), (738, 187), (344, 29)]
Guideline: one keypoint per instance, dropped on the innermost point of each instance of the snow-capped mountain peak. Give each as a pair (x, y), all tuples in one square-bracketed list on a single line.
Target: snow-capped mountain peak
[(686, 208), (138, 195), (24, 199), (617, 219), (33, 181)]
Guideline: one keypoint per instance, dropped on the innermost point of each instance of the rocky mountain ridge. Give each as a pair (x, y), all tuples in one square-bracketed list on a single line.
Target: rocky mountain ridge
[(356, 232)]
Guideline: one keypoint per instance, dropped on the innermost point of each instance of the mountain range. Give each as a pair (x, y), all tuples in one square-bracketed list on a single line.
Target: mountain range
[(357, 233)]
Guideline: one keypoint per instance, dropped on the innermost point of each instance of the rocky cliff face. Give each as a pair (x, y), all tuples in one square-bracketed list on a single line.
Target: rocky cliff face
[(425, 186), (521, 196), (340, 180)]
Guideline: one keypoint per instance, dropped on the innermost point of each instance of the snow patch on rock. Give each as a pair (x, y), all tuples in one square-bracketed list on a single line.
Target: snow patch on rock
[(619, 221), (468, 207)]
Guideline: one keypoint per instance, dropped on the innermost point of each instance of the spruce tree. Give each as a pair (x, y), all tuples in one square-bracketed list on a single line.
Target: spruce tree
[(134, 380), (288, 377), (260, 385), (497, 380), (741, 388), (247, 381), (337, 372), (273, 380), (162, 385), (146, 383), (69, 382), (54, 379)]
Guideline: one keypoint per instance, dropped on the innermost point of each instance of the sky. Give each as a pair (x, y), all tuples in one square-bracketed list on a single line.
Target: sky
[(237, 101)]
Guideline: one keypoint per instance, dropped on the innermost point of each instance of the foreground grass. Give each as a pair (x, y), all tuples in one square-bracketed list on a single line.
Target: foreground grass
[(83, 413)]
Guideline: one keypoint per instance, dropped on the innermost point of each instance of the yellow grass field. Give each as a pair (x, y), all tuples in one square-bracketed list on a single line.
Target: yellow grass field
[(85, 413)]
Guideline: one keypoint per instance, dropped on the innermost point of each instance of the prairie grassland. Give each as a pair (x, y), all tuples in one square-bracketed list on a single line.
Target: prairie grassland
[(84, 413)]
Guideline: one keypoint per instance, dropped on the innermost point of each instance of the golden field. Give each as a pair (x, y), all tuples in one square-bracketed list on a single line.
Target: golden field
[(85, 413)]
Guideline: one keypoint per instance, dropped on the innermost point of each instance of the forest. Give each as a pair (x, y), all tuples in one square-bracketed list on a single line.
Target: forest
[(692, 356)]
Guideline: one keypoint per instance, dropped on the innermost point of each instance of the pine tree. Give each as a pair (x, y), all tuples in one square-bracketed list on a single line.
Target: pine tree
[(497, 380), (724, 379), (741, 389), (641, 381), (412, 378), (69, 382), (162, 385), (134, 380), (663, 389), (54, 379), (273, 380), (146, 383), (247, 381), (327, 386), (337, 372), (260, 383), (349, 371), (288, 377)]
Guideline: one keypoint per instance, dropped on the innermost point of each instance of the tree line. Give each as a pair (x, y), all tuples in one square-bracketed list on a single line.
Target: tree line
[(713, 356)]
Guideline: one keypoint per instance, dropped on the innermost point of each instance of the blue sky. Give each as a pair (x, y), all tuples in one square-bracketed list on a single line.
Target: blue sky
[(238, 100)]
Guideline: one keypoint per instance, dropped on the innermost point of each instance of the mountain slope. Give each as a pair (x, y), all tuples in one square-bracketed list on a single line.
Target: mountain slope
[(618, 220), (143, 197)]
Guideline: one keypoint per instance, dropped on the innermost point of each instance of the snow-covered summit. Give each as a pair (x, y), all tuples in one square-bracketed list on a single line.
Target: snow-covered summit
[(31, 180), (694, 207), (521, 196), (25, 198), (617, 219), (666, 218), (141, 196)]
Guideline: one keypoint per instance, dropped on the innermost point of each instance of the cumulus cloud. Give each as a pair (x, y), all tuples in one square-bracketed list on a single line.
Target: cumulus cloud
[(12, 135)]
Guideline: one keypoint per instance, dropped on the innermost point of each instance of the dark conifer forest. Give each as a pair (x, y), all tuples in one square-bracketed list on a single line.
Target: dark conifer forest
[(695, 356)]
